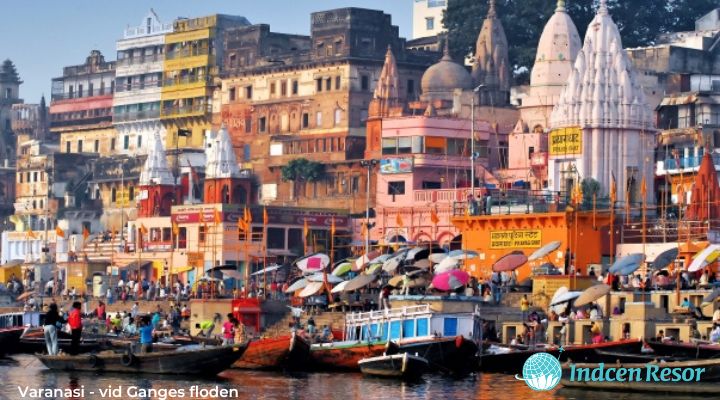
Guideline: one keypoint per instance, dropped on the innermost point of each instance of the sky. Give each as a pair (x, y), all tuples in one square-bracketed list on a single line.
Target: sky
[(43, 36)]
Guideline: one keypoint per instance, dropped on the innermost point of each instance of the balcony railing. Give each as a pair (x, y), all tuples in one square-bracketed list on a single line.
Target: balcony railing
[(515, 202), (81, 94), (193, 109), (185, 80), (140, 60), (688, 162), (182, 53), (137, 86), (93, 119), (136, 115)]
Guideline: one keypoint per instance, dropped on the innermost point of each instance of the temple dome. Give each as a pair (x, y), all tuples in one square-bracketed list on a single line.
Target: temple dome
[(557, 49), (445, 76)]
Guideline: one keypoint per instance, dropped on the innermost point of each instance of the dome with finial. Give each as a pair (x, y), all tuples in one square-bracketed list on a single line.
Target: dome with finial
[(557, 49), (445, 76)]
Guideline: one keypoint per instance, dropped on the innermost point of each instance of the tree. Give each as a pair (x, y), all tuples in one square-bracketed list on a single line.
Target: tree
[(639, 22), (301, 170), (590, 188)]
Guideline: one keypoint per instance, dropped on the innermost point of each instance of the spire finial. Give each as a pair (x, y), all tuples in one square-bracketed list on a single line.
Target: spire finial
[(491, 11), (603, 9), (560, 6)]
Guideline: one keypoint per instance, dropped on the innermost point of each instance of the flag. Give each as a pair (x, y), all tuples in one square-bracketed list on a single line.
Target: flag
[(306, 229), (86, 232), (363, 230), (31, 234), (143, 230), (613, 190), (398, 220), (242, 226), (216, 217), (175, 229), (577, 194), (247, 216), (643, 188), (332, 226), (59, 232), (265, 216), (434, 217)]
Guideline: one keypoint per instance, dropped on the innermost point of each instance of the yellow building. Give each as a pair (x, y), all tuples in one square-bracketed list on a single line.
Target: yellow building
[(193, 59)]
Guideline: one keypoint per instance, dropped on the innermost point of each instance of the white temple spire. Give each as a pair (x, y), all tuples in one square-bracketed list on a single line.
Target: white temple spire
[(220, 155), (156, 171)]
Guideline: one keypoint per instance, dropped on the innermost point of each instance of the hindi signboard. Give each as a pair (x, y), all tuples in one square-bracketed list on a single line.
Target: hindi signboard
[(565, 141), (396, 165), (529, 238)]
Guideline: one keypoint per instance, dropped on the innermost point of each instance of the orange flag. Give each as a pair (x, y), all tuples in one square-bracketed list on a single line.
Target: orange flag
[(306, 229), (265, 216), (31, 234), (86, 232), (363, 230), (643, 188), (217, 217), (175, 229), (332, 226), (434, 217), (247, 216), (59, 232), (613, 190), (398, 220)]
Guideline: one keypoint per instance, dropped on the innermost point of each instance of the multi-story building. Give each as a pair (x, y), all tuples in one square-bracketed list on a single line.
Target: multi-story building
[(9, 95), (81, 107), (194, 53), (427, 18), (289, 97), (138, 84)]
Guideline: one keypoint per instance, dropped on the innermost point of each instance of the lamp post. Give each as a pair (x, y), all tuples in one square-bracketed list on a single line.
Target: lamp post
[(369, 164), (472, 139)]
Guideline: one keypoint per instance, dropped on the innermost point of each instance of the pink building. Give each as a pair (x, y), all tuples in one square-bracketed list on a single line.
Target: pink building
[(425, 166)]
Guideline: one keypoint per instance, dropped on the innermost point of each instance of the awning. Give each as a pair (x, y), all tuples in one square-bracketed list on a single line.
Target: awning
[(180, 270), (679, 99)]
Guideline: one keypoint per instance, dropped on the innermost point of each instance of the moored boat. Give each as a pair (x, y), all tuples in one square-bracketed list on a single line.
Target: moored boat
[(691, 351), (452, 355), (188, 360), (283, 352), (32, 340), (344, 355), (12, 326), (404, 366), (623, 357)]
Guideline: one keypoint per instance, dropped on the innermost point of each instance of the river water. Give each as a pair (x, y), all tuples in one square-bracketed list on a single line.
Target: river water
[(23, 372)]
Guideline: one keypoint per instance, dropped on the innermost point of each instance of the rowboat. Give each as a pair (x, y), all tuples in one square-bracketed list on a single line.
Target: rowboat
[(450, 355), (9, 338), (32, 340), (283, 352), (404, 366), (188, 360), (706, 382), (690, 351), (346, 355)]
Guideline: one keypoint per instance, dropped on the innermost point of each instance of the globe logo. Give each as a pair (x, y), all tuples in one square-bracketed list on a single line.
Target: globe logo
[(541, 372)]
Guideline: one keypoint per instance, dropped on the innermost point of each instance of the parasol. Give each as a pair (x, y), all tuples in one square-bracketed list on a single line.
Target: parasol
[(339, 287), (446, 265), (342, 269), (564, 298), (712, 296), (665, 258), (320, 277), (311, 289), (231, 273), (450, 280), (436, 258), (372, 268), (545, 250), (314, 262), (393, 263), (24, 296), (359, 281), (463, 254), (703, 258), (299, 284), (265, 270), (561, 291), (381, 258), (591, 294), (417, 253), (360, 262), (423, 264), (510, 262), (628, 264)]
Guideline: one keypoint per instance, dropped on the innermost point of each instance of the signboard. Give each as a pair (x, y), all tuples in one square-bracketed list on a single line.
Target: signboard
[(396, 165), (565, 141), (195, 259), (515, 239), (111, 169), (206, 214)]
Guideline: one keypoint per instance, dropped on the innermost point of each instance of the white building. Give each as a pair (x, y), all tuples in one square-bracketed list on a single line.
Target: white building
[(138, 82), (602, 126), (427, 17)]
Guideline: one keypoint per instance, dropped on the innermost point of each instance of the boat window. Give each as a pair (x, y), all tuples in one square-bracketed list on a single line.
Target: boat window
[(408, 328), (450, 327), (374, 331), (395, 330), (422, 326)]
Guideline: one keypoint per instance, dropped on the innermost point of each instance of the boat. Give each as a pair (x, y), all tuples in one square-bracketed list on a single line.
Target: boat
[(706, 383), (405, 330), (609, 356), (282, 352), (690, 351), (187, 360), (404, 366), (11, 328), (32, 341), (510, 359)]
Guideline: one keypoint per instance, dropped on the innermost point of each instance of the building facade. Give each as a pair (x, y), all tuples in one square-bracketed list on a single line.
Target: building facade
[(427, 18)]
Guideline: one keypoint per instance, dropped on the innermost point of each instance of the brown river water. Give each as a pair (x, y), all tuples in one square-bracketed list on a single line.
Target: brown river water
[(22, 373)]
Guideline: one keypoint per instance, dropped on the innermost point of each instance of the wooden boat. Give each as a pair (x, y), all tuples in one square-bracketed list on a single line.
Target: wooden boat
[(511, 361), (404, 366), (707, 384), (33, 341), (345, 355), (12, 326), (453, 355), (609, 356), (283, 352), (690, 351), (197, 360), (9, 339)]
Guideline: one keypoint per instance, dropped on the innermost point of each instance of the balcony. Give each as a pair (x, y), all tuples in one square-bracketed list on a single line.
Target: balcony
[(186, 80), (136, 86), (515, 201), (140, 60), (686, 164), (183, 53), (186, 111), (81, 95), (136, 115)]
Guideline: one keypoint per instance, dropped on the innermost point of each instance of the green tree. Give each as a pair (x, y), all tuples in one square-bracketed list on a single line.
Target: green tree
[(590, 187), (301, 170), (639, 22)]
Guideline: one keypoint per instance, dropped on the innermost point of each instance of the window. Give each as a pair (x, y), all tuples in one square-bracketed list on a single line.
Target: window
[(126, 142), (248, 125), (294, 87), (364, 82), (328, 84), (113, 195), (246, 152), (131, 193), (80, 146), (67, 147), (283, 88), (355, 185), (276, 238), (318, 119), (338, 116), (231, 94), (20, 178), (201, 234), (338, 81), (35, 176), (248, 92), (404, 145), (305, 120), (139, 141), (411, 87), (430, 23), (272, 89), (435, 145), (417, 144), (431, 185), (396, 188), (389, 146), (261, 123), (80, 90), (97, 146), (531, 150), (112, 144), (318, 85), (8, 93)]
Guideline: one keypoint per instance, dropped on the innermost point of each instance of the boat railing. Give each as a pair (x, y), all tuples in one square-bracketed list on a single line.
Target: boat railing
[(392, 313)]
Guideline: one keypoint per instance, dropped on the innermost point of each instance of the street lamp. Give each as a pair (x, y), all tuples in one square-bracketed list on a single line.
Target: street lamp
[(472, 139), (369, 164)]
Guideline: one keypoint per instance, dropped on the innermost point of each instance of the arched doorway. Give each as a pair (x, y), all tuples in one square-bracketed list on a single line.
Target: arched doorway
[(239, 195)]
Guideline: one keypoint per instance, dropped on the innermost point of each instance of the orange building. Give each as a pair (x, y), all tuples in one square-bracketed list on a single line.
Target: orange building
[(494, 236)]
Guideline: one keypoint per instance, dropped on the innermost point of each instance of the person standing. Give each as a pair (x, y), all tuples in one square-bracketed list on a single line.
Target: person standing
[(134, 310), (75, 322), (146, 336), (52, 322), (228, 329), (524, 307)]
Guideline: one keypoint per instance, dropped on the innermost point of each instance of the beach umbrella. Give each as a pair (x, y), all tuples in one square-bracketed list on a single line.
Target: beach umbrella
[(359, 281), (417, 253), (436, 258), (360, 262), (446, 265), (311, 289), (560, 292), (463, 254), (665, 258), (396, 281), (565, 297), (231, 273), (510, 262), (393, 263), (314, 262), (450, 280), (372, 268), (271, 268), (628, 264), (342, 268), (591, 294), (320, 277), (420, 281), (703, 258), (545, 250), (380, 259), (339, 287), (299, 284), (712, 296), (422, 264)]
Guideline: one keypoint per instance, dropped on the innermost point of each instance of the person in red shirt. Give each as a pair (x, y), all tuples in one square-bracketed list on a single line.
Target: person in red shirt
[(75, 322)]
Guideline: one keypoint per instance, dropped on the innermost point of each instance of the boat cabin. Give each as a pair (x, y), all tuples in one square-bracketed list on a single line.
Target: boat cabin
[(411, 322), (17, 319)]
